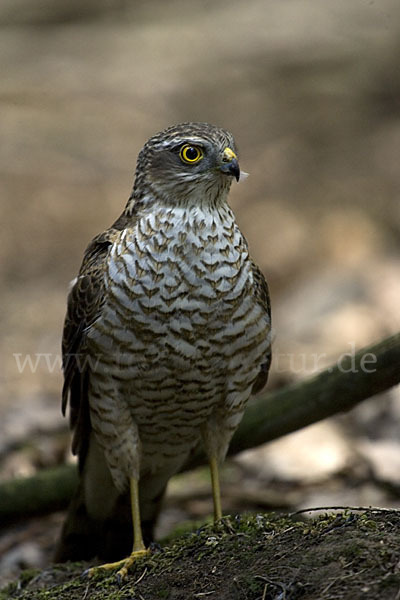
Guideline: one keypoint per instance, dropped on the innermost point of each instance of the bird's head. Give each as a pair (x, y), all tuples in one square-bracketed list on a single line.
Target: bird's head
[(187, 162)]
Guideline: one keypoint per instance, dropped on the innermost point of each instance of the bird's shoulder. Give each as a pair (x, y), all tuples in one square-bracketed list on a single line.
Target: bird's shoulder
[(87, 290)]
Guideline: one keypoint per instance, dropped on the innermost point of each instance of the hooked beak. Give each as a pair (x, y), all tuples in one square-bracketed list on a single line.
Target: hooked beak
[(230, 164)]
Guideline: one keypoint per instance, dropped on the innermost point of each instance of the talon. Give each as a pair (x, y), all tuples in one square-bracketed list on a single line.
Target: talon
[(119, 578), (92, 571), (122, 575)]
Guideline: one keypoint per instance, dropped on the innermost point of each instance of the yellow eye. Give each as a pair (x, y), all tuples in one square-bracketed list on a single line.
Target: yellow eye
[(191, 154)]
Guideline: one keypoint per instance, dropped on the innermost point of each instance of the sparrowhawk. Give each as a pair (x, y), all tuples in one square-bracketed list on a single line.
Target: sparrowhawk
[(167, 334)]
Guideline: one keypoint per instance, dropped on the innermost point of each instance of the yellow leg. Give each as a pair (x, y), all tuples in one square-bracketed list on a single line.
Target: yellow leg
[(215, 488), (138, 549)]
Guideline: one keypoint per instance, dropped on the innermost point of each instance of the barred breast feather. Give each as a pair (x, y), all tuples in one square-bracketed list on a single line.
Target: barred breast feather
[(180, 340)]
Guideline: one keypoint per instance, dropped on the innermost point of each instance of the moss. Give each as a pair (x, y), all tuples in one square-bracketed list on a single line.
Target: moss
[(163, 593)]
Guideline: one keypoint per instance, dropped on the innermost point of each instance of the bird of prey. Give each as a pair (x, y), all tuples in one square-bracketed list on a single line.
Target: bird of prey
[(166, 336)]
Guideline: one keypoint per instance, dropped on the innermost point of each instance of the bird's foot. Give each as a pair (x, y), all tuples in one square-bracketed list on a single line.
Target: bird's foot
[(123, 565), (128, 562)]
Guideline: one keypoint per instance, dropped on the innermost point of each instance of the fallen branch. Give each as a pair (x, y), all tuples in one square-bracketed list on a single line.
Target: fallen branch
[(47, 491)]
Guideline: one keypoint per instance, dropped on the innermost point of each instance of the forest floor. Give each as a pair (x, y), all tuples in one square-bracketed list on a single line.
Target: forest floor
[(343, 555)]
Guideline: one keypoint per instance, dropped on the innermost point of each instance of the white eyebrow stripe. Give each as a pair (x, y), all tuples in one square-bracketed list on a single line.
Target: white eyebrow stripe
[(177, 141)]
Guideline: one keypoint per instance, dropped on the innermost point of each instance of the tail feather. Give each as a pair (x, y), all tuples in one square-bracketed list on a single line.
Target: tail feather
[(83, 537), (99, 519)]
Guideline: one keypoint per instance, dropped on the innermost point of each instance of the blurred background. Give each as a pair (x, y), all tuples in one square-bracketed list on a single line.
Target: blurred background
[(311, 91)]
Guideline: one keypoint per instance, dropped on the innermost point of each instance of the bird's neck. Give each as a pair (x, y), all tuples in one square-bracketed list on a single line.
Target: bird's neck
[(197, 218), (192, 199)]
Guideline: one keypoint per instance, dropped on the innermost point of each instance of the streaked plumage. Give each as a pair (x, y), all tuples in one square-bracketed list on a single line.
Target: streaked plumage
[(167, 333)]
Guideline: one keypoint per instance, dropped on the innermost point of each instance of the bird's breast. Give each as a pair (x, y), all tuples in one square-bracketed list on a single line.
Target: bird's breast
[(180, 311), (178, 271)]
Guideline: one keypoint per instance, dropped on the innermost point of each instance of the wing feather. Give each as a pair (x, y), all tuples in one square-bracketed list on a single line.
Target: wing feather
[(85, 302), (262, 295)]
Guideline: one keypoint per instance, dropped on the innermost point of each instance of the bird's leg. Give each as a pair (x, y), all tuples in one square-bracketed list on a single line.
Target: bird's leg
[(138, 549), (215, 488)]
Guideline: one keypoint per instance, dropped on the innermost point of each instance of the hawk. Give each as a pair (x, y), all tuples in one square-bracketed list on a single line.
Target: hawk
[(166, 336)]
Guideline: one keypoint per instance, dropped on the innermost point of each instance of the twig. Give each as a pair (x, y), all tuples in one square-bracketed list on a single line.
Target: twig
[(351, 508), (141, 577)]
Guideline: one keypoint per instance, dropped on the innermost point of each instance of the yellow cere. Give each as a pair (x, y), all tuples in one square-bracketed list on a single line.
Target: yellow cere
[(229, 154), (191, 154)]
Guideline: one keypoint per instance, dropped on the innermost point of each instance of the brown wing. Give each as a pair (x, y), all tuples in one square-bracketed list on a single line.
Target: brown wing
[(85, 302), (262, 294)]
